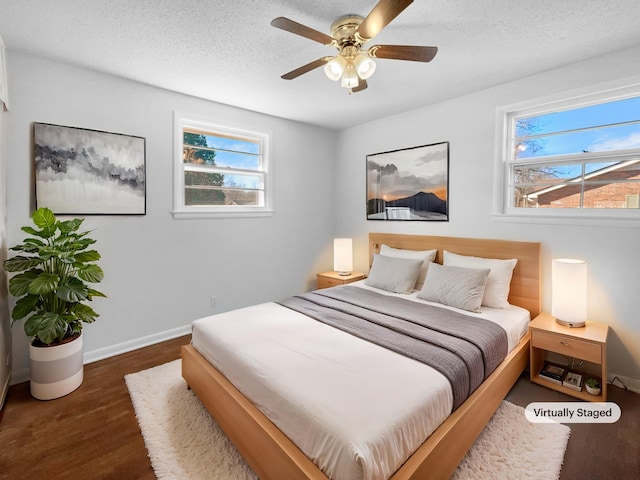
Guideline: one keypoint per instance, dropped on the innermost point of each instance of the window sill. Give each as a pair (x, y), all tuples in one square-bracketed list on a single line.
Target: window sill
[(177, 215), (569, 219)]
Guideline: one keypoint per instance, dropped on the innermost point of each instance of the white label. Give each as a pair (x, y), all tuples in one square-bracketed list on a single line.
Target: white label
[(573, 412)]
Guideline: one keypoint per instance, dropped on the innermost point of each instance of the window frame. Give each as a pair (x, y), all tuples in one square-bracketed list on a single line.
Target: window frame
[(216, 127), (505, 124)]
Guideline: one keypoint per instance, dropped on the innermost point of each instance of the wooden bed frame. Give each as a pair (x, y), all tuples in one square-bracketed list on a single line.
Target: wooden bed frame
[(273, 456)]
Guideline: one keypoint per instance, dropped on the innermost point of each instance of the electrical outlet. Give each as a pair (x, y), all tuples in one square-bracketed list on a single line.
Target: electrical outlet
[(213, 302)]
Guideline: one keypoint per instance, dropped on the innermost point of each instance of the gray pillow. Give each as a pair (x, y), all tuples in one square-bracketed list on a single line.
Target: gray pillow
[(427, 257), (455, 286), (496, 293), (393, 274)]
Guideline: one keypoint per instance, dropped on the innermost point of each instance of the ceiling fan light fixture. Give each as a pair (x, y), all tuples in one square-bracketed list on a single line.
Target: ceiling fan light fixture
[(335, 68), (365, 66), (354, 64), (350, 77)]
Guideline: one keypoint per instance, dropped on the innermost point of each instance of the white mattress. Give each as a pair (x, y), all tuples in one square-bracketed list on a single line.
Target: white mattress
[(356, 409)]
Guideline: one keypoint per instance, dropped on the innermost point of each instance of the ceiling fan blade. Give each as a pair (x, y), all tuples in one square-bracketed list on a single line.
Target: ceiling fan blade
[(306, 68), (380, 16), (404, 52), (362, 84), (302, 30)]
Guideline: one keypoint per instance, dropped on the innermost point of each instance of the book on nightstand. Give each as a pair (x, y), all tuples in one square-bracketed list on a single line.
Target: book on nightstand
[(573, 380), (553, 373)]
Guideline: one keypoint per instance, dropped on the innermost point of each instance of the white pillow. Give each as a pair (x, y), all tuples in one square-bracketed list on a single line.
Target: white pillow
[(397, 275), (427, 256), (455, 286), (496, 293)]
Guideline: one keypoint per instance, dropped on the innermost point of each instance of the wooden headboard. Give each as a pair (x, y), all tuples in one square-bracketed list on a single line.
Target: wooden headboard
[(525, 283)]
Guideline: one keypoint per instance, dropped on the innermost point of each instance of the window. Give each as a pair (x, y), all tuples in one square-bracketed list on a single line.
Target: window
[(574, 158), (220, 170)]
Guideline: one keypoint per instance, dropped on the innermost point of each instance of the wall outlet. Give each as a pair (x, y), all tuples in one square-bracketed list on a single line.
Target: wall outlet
[(213, 302)]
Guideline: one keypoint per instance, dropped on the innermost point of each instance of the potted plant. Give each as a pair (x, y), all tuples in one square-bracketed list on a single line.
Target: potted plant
[(593, 386), (53, 269)]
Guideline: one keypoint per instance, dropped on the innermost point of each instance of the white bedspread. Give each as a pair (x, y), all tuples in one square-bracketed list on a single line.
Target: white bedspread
[(356, 409)]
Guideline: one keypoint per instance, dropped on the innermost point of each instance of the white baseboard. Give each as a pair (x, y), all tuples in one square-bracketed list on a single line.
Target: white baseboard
[(632, 384), (5, 389), (19, 376), (124, 347)]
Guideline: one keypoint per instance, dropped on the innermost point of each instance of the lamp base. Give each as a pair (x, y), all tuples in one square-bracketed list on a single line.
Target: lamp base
[(344, 274), (571, 324)]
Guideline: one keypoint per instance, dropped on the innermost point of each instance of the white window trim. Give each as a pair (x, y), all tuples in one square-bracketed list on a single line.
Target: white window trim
[(180, 211), (502, 212)]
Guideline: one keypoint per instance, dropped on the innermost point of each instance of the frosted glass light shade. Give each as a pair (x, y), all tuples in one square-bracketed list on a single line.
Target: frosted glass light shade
[(365, 66), (569, 291), (343, 255), (350, 77), (335, 68)]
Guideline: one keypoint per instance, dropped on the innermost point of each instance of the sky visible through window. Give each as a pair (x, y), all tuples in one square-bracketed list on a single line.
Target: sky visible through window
[(581, 157), (595, 128), (237, 153)]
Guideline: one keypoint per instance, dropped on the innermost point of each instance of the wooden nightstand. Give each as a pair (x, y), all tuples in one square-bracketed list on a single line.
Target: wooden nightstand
[(331, 279), (588, 343)]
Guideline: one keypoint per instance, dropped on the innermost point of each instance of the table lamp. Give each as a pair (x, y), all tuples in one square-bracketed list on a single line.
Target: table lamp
[(343, 256), (569, 291)]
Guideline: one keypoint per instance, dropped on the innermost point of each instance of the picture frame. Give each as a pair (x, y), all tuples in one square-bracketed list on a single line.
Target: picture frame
[(410, 184), (80, 171)]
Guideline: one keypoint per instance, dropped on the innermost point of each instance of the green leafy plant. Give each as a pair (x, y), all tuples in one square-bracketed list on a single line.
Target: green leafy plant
[(593, 383), (55, 263)]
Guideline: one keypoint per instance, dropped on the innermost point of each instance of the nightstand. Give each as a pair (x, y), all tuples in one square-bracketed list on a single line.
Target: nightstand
[(588, 343), (331, 279)]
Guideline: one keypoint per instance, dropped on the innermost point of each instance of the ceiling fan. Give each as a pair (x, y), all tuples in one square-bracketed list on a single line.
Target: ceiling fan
[(354, 64)]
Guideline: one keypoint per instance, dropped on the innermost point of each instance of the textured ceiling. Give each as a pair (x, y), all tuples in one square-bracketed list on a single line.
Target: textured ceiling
[(226, 51)]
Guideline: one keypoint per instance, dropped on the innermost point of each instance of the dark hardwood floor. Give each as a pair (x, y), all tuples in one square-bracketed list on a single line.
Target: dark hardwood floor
[(595, 451), (93, 433)]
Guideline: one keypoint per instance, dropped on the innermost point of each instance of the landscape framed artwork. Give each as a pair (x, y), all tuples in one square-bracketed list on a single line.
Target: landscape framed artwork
[(409, 184), (89, 172)]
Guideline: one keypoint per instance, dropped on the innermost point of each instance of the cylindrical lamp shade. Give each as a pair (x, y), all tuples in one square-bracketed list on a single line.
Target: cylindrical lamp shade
[(569, 291), (343, 255)]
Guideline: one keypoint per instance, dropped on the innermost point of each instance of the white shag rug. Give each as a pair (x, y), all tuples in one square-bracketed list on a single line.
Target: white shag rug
[(185, 443)]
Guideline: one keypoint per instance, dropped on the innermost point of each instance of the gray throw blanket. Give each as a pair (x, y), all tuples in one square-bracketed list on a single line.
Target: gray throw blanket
[(463, 348)]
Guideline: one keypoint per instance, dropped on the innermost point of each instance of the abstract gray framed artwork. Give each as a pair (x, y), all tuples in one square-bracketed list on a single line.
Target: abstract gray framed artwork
[(89, 172), (409, 184)]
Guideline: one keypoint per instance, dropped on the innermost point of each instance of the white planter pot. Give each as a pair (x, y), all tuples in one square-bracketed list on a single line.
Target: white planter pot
[(592, 391), (56, 371)]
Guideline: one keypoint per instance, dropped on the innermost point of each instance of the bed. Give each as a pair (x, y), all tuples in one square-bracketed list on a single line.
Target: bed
[(273, 455)]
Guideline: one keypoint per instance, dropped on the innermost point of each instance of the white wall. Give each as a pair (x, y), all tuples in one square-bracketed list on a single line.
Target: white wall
[(159, 272), (468, 123), (5, 333)]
